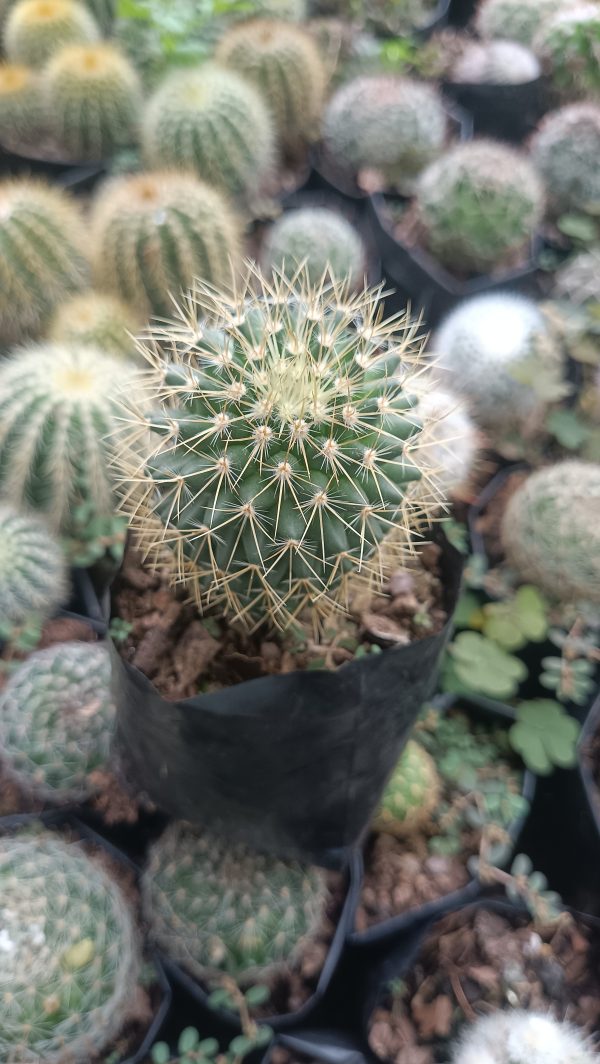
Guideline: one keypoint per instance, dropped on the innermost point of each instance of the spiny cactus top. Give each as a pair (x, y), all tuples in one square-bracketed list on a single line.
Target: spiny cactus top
[(320, 238), (277, 461), (56, 720), (70, 957), (396, 125), (98, 320), (216, 907), (36, 29), (33, 570), (496, 63), (566, 150), (411, 794), (519, 1037), (22, 111), (515, 20), (569, 47), (551, 531)]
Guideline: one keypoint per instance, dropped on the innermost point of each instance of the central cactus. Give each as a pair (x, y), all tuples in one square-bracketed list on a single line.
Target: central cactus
[(277, 461)]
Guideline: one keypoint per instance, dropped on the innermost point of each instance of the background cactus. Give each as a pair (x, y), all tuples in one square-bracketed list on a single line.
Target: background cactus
[(411, 794), (399, 16), (94, 98), (321, 238), (95, 319), (36, 29), (70, 958), (22, 111), (578, 280), (520, 1037), (282, 441), (515, 20), (479, 205), (33, 570), (566, 149), (449, 442), (211, 121), (58, 417), (393, 124), (551, 531), (495, 63), (41, 255), (216, 907), (569, 48), (284, 63), (153, 234), (104, 11)]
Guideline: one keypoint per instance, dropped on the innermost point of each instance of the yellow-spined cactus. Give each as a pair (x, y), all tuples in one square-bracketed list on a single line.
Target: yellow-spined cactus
[(36, 29)]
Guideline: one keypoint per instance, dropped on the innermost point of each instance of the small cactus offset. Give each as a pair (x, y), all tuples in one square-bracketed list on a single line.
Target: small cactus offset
[(392, 124), (70, 956), (57, 433), (284, 63), (154, 234), (411, 794), (479, 206), (496, 63), (209, 120), (566, 150), (33, 570), (551, 531), (520, 1037), (94, 97), (36, 29), (23, 114), (320, 238), (569, 48), (41, 255), (278, 461), (449, 442), (95, 319), (214, 907), (515, 20)]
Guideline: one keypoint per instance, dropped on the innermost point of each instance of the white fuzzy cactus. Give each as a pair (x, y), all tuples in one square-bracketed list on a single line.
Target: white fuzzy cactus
[(515, 20), (496, 63), (450, 441), (522, 1038)]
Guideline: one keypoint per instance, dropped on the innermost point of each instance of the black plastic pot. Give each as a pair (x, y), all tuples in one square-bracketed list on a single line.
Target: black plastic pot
[(461, 12), (590, 787), (506, 112)]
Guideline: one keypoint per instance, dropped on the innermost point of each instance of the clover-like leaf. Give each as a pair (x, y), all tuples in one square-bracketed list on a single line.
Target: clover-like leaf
[(483, 666), (544, 735), (568, 428), (517, 621)]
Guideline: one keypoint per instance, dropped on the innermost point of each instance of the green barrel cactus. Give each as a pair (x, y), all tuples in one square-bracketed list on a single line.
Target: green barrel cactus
[(94, 97), (519, 1037), (393, 124), (320, 238), (154, 234), (41, 255), (479, 206), (95, 319), (515, 20), (411, 794), (569, 48), (495, 63), (551, 531), (566, 150), (216, 907), (23, 114), (58, 434), (209, 120), (33, 569), (285, 64), (36, 29), (278, 458), (56, 721), (70, 956)]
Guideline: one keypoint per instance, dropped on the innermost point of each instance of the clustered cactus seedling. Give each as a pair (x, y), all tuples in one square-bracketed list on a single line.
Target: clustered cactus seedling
[(495, 63), (284, 63), (319, 237), (479, 206), (41, 255), (449, 442), (515, 20), (36, 29), (551, 531), (566, 149), (22, 110), (569, 48), (70, 957), (520, 1037), (94, 99), (411, 794), (153, 234), (279, 458), (33, 570), (57, 434), (216, 907), (395, 125), (213, 122), (95, 319), (56, 721)]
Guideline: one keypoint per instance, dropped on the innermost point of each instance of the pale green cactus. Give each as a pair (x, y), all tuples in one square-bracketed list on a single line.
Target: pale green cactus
[(411, 794), (565, 150), (520, 1037), (99, 320), (36, 29), (569, 48), (320, 238), (33, 569), (578, 279), (23, 114), (515, 20)]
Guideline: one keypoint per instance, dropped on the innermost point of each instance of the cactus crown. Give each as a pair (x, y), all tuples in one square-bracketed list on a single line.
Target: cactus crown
[(94, 319), (411, 794), (515, 20), (36, 29), (22, 110), (33, 570), (319, 237), (565, 150), (216, 907), (522, 1038), (70, 959), (277, 462), (496, 63), (568, 47)]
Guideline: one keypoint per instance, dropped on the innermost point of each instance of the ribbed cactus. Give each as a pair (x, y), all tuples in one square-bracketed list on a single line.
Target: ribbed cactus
[(449, 442), (520, 1037), (279, 456), (94, 97), (411, 795), (284, 63), (153, 234), (551, 531), (41, 255), (59, 409), (94, 319), (36, 29), (70, 957), (319, 237), (33, 570), (569, 48), (566, 150), (515, 20), (23, 114), (216, 907), (578, 280), (479, 206), (211, 121), (393, 124), (496, 63)]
